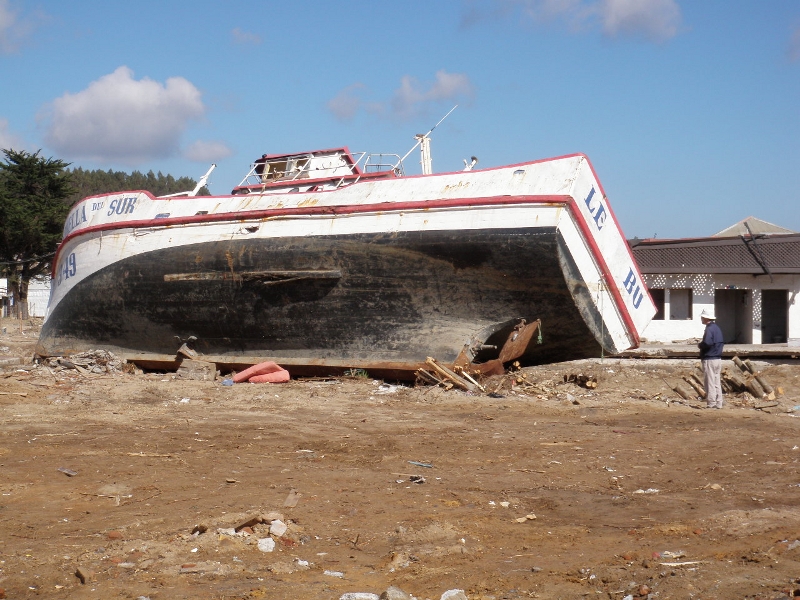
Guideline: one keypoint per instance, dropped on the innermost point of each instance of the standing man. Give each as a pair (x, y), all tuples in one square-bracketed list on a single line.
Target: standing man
[(711, 358)]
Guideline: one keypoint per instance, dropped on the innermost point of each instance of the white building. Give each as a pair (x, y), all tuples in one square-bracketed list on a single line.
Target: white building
[(749, 274), (38, 297)]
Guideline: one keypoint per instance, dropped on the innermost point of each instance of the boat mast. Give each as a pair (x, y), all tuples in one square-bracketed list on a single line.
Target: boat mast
[(423, 140), (203, 180), (425, 153)]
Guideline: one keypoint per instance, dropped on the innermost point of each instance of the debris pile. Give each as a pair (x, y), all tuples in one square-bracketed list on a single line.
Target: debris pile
[(197, 370), (439, 374), (583, 380), (91, 361), (744, 379)]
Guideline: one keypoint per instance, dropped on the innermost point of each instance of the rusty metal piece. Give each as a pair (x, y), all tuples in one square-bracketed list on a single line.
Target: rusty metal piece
[(515, 346)]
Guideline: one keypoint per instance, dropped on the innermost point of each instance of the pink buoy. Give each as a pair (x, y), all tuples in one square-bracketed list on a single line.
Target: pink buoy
[(259, 369), (281, 376)]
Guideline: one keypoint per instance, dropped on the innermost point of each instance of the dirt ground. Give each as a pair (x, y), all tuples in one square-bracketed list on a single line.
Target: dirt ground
[(550, 491)]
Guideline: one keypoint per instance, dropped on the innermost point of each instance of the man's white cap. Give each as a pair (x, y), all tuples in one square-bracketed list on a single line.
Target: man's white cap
[(708, 313)]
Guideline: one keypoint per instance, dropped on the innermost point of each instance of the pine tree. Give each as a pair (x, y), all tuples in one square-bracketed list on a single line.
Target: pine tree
[(33, 207)]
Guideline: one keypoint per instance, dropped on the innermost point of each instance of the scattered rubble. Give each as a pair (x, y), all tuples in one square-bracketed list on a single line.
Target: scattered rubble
[(181, 498), (90, 362)]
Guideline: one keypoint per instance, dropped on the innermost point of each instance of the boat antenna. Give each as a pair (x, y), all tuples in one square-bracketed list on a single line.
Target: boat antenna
[(203, 180), (197, 188), (424, 140)]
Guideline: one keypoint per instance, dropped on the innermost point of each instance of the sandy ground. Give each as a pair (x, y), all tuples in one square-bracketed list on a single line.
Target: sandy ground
[(550, 491)]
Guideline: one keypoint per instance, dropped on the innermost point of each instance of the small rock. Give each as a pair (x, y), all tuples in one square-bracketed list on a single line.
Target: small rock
[(83, 574), (199, 529), (292, 499), (266, 544), (338, 574), (454, 595), (271, 516), (277, 528), (114, 535), (394, 593), (359, 596), (529, 517), (283, 568), (193, 568)]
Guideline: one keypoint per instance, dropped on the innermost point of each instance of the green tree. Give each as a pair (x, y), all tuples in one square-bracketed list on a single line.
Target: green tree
[(89, 183), (33, 208)]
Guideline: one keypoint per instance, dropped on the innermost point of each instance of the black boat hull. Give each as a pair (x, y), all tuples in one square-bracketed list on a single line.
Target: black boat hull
[(361, 300)]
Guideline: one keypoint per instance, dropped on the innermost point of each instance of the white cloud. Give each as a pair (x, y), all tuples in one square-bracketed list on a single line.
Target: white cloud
[(8, 139), (655, 20), (346, 103), (412, 98), (245, 37), (13, 28), (207, 151), (120, 119)]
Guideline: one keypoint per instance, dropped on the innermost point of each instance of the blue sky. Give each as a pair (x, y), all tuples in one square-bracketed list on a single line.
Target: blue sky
[(687, 110)]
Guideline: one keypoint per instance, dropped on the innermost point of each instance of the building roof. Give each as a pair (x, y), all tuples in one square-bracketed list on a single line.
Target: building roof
[(752, 226), (756, 255)]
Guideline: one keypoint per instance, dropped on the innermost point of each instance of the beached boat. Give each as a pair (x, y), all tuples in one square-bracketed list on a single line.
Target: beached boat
[(328, 260)]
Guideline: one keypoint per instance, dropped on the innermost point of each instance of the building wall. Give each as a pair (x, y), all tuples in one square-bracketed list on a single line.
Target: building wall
[(38, 297), (677, 327)]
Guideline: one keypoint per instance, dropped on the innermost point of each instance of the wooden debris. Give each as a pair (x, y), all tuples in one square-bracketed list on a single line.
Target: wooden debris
[(755, 388), (461, 371), (763, 406), (752, 382), (428, 377), (768, 389), (684, 390), (734, 379), (697, 386), (446, 373), (587, 381)]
